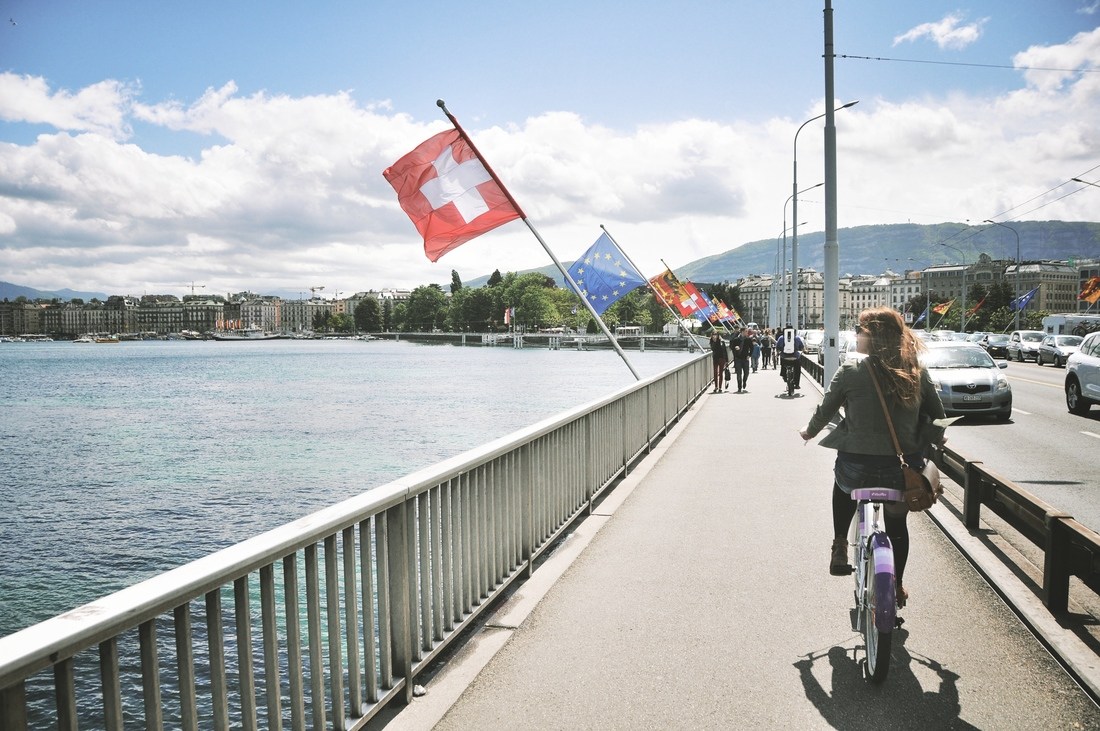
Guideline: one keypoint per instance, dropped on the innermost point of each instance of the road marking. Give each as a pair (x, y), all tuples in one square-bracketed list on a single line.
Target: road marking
[(1038, 383), (1090, 434), (1021, 411)]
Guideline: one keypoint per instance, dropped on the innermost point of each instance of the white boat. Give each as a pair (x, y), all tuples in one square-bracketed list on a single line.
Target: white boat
[(85, 339), (248, 333)]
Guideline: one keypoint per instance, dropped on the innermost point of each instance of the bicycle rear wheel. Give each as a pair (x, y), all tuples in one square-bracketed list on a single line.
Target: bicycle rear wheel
[(879, 613)]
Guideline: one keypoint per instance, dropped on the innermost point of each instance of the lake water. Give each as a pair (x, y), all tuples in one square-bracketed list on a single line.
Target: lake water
[(120, 461)]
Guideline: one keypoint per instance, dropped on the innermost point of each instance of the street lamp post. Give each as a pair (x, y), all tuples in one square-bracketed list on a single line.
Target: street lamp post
[(794, 227), (962, 318), (1017, 288), (794, 217)]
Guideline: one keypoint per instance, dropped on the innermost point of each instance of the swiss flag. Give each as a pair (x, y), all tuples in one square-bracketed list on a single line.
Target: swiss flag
[(448, 193)]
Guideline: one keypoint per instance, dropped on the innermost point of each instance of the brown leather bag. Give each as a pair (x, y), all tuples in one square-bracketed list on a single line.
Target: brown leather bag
[(922, 487)]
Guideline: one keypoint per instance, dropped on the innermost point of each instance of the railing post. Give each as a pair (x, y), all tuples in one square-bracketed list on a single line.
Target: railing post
[(13, 707), (401, 567), (972, 495), (1056, 563)]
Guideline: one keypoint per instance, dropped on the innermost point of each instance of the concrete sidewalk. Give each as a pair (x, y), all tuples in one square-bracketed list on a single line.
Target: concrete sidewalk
[(698, 597)]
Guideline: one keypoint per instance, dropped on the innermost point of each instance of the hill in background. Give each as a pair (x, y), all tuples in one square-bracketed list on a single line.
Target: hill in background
[(895, 246), (9, 291)]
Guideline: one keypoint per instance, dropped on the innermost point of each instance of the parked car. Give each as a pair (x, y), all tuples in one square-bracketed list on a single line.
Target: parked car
[(996, 344), (1083, 376), (812, 340), (1024, 344), (1057, 349), (968, 380), (976, 337), (843, 338)]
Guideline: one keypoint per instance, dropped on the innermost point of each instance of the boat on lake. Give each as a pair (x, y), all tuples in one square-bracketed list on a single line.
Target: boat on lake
[(248, 333)]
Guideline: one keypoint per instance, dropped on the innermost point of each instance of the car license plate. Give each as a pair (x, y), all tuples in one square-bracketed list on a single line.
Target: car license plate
[(971, 397)]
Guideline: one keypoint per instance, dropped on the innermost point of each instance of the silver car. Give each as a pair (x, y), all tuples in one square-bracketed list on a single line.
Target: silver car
[(1057, 349), (1083, 376), (968, 380), (1024, 344)]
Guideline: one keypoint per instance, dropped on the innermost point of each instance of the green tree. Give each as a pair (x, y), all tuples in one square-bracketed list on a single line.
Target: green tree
[(426, 309), (387, 315), (495, 278), (368, 315), (343, 323), (322, 321), (456, 282)]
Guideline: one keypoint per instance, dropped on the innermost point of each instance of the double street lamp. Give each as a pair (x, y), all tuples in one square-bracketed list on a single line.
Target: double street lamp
[(1017, 289), (794, 217), (962, 319)]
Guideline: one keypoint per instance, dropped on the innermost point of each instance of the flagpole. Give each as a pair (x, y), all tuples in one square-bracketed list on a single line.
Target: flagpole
[(668, 307), (531, 227)]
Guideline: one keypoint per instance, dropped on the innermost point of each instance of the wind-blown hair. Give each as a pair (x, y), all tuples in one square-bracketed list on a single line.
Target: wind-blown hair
[(895, 348)]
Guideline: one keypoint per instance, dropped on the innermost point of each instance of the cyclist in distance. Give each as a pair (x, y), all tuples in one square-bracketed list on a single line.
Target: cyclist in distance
[(790, 360), (865, 451)]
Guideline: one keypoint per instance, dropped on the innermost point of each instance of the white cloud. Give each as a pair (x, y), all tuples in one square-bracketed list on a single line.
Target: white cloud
[(100, 108), (287, 192), (949, 32)]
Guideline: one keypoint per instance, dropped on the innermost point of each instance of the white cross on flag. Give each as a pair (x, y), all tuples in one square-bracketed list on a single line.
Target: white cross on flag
[(447, 192)]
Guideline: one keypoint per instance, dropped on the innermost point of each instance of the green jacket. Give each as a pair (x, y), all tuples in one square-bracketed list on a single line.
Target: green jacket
[(863, 429)]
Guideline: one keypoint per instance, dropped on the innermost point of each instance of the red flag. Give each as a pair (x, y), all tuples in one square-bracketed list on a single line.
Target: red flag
[(447, 191), (1091, 291), (975, 308), (672, 292)]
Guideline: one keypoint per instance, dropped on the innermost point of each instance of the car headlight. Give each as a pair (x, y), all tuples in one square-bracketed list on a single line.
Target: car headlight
[(1002, 384)]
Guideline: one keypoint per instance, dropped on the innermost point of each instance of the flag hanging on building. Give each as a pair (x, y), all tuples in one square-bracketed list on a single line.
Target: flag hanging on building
[(1091, 291), (1021, 302), (973, 310), (448, 192), (943, 308), (604, 274)]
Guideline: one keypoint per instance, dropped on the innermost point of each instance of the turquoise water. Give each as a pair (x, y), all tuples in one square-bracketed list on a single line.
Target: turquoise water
[(121, 461)]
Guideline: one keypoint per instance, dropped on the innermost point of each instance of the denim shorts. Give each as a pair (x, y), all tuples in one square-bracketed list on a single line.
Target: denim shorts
[(854, 471)]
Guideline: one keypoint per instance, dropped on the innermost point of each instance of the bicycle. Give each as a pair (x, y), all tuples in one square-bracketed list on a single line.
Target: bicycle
[(790, 375), (875, 615)]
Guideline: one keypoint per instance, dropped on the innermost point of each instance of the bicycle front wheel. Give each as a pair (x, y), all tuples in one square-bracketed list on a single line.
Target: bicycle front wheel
[(879, 613)]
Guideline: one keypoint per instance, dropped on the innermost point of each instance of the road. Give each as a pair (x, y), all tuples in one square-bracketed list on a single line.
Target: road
[(1043, 448)]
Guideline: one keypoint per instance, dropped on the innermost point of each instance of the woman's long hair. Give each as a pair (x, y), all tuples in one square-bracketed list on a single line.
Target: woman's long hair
[(895, 348)]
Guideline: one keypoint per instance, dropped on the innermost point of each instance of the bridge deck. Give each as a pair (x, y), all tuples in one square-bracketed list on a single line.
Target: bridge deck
[(698, 596)]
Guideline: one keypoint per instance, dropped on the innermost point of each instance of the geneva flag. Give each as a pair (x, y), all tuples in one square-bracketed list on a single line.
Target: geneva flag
[(604, 275), (448, 193)]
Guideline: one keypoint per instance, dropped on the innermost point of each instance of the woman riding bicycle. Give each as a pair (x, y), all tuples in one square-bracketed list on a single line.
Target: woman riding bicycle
[(865, 452)]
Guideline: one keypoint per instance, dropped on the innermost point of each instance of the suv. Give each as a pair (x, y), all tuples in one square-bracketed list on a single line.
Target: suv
[(1083, 376), (1024, 344)]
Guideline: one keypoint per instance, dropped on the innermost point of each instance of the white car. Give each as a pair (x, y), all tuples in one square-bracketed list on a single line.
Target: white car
[(1083, 376), (812, 341)]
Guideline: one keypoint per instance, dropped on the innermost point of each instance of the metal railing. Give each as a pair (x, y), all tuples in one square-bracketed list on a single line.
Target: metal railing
[(355, 600), (1069, 548)]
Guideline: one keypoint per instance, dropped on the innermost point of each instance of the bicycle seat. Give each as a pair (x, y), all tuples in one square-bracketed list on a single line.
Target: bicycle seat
[(877, 494)]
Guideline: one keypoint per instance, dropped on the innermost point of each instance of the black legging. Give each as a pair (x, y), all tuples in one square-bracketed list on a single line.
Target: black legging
[(844, 508)]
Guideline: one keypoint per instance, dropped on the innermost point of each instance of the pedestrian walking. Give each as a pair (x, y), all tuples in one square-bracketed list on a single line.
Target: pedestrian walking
[(755, 351), (741, 347), (767, 343), (719, 360)]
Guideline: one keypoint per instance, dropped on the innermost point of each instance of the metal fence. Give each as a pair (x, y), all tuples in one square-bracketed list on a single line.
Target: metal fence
[(354, 601)]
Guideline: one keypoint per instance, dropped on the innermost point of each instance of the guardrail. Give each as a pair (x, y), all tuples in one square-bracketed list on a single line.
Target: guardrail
[(1069, 548), (354, 600)]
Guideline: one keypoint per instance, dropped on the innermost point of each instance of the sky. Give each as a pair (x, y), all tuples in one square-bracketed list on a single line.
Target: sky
[(164, 148)]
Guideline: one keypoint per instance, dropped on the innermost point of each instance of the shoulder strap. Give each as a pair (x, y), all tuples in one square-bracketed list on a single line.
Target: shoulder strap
[(885, 410)]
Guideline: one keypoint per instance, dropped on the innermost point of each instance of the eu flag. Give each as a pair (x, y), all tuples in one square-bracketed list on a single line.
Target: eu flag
[(604, 274)]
